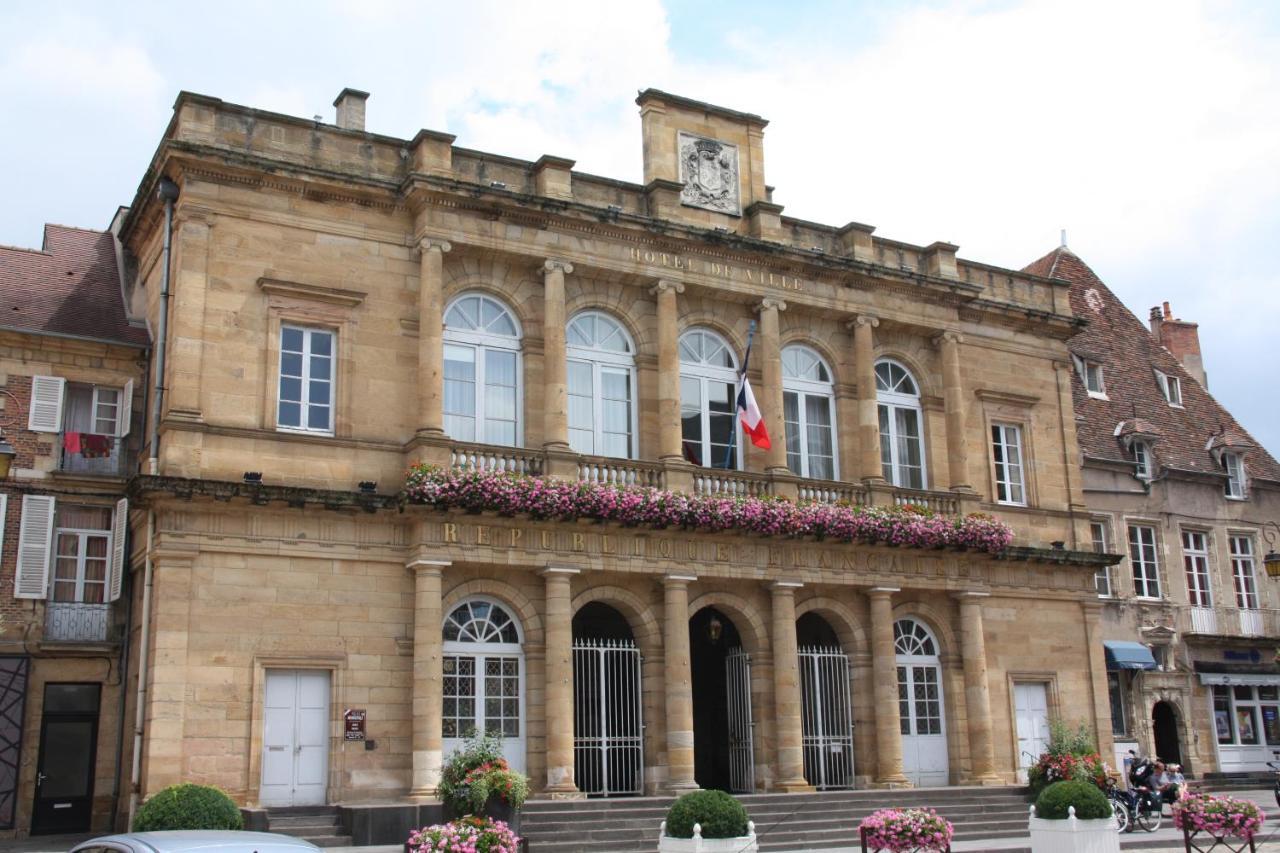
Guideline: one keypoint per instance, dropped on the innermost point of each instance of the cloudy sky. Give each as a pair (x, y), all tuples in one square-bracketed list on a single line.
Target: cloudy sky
[(1149, 130)]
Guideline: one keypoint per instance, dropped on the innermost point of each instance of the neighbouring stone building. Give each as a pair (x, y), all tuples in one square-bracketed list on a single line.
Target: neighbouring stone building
[(1174, 483), (72, 367)]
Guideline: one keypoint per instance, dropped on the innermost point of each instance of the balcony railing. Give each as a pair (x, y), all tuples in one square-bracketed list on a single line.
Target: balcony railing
[(73, 622), (832, 492), (110, 459), (1228, 622), (942, 502), (715, 481), (488, 457), (619, 472)]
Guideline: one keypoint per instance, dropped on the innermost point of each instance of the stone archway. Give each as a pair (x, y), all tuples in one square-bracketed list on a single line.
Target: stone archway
[(723, 756), (1165, 732)]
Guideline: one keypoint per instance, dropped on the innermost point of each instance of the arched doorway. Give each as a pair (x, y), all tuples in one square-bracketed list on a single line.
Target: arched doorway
[(827, 711), (1164, 728), (484, 677), (722, 726), (920, 708), (608, 723)]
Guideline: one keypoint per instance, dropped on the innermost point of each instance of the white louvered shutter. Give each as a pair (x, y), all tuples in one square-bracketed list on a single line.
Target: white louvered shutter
[(35, 538), (119, 536), (124, 414), (46, 403)]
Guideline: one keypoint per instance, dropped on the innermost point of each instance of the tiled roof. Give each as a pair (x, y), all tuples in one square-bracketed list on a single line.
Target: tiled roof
[(1116, 339), (69, 287)]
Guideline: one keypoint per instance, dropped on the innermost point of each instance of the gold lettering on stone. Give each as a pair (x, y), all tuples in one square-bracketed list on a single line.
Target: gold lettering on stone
[(579, 542), (482, 535), (546, 540), (664, 548), (722, 552), (450, 532), (668, 260), (606, 544), (516, 533)]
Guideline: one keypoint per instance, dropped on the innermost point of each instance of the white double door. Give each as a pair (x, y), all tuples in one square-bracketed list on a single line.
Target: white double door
[(295, 738), (1031, 707)]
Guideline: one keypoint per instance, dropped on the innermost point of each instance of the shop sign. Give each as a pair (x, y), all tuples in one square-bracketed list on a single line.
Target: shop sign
[(353, 724)]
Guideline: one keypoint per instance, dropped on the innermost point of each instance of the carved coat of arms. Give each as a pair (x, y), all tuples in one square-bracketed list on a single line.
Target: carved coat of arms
[(709, 172)]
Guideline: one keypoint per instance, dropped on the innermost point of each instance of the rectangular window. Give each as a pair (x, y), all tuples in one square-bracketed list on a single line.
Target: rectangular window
[(1091, 376), (1142, 558), (810, 445), (1116, 687), (1102, 577), (599, 409), (1142, 460), (1234, 463), (1170, 387), (1247, 715), (306, 380), (1243, 572), (1195, 559), (82, 554), (1006, 449)]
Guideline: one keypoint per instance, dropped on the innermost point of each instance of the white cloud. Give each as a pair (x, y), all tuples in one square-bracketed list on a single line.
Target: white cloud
[(78, 60)]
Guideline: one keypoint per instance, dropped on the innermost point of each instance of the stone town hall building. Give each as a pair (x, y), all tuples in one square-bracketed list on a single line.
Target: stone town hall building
[(340, 305)]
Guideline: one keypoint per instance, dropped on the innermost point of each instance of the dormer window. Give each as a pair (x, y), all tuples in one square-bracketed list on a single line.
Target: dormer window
[(1171, 388), (1091, 375), (1144, 468), (1234, 463)]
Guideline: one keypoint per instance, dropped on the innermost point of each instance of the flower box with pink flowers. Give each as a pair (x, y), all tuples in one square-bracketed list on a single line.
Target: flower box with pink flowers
[(905, 831), (1209, 822)]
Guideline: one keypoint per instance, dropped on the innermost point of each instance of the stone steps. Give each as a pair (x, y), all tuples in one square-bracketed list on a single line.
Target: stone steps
[(321, 825), (814, 821)]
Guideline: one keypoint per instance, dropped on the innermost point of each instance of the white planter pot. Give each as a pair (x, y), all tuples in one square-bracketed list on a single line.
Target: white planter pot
[(743, 844), (1073, 835)]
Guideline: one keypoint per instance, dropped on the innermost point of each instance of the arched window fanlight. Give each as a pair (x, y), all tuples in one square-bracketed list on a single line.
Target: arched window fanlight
[(480, 621), (601, 386), (482, 376), (708, 384), (901, 426)]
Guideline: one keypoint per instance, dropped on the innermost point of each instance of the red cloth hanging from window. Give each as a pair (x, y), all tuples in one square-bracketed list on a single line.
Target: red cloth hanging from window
[(71, 442), (95, 446)]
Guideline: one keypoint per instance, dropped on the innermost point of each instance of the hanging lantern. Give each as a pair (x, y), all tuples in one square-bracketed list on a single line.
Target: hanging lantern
[(715, 627)]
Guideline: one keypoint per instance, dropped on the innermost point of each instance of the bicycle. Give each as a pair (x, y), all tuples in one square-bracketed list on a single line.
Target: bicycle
[(1275, 767), (1119, 807)]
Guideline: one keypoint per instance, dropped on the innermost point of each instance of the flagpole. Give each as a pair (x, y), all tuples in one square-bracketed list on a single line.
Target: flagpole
[(737, 388)]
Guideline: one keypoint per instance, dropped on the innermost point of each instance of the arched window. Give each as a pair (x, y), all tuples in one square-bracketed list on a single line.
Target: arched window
[(920, 707), (808, 404), (483, 664), (482, 389), (601, 386), (901, 442), (708, 380)]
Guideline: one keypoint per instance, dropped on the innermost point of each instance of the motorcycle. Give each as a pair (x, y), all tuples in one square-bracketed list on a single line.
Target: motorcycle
[(1146, 808)]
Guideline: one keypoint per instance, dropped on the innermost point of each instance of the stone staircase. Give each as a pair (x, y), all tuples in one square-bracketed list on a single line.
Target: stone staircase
[(783, 821), (321, 825), (1227, 783)]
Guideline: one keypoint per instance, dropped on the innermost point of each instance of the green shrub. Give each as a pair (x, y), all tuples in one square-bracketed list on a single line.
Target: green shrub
[(721, 815), (1090, 803), (188, 806)]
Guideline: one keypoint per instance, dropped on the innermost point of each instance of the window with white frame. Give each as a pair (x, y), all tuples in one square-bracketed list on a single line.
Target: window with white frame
[(1091, 375), (901, 426), (305, 401), (1195, 559), (1243, 572), (1006, 453), (1143, 561), (1234, 465), (601, 386), (1143, 464), (82, 554), (482, 383), (708, 384), (1247, 715), (1170, 387), (808, 403), (1102, 577)]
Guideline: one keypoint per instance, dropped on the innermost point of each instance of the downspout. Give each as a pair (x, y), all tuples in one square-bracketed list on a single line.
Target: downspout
[(144, 640), (124, 695), (168, 192)]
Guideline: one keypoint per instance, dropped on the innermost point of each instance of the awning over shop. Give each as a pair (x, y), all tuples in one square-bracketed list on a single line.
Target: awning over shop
[(1122, 654)]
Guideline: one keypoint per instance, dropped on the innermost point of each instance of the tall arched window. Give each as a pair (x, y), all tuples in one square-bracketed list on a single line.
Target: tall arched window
[(808, 404), (601, 386), (482, 389), (483, 665), (901, 442), (708, 379), (920, 707)]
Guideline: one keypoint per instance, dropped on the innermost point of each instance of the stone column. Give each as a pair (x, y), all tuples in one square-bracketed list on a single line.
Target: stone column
[(1091, 611), (428, 677), (787, 701), (770, 395), (189, 289), (953, 396), (864, 362), (559, 697), (555, 413), (669, 442), (164, 758), (885, 674), (679, 684), (977, 692), (431, 336)]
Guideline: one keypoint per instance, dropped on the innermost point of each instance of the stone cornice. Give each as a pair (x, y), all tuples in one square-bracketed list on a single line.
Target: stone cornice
[(312, 292)]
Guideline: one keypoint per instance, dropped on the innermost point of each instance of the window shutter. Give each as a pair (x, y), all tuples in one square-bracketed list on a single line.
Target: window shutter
[(35, 536), (4, 519), (124, 414), (119, 535), (46, 403)]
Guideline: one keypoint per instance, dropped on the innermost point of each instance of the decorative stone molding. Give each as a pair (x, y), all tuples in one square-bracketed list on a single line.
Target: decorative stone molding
[(665, 284), (311, 292), (426, 244), (557, 265), (768, 303)]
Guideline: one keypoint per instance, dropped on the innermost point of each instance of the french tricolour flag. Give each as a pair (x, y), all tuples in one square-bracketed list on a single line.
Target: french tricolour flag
[(749, 414)]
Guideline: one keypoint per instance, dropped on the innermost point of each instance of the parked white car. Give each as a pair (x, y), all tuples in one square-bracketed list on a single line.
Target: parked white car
[(196, 841)]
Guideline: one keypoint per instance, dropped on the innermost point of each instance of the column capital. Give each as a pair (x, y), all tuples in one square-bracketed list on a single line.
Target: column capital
[(564, 571), (883, 591), (974, 596), (662, 285), (947, 336), (557, 265), (770, 302), (677, 580), (419, 567), (427, 244), (785, 586), (863, 320)]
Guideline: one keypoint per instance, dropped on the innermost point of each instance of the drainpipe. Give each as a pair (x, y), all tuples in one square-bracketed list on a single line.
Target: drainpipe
[(124, 695), (168, 192), (144, 639)]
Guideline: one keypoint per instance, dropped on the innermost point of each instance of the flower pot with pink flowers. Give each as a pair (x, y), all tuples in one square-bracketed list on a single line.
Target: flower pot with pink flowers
[(1209, 822), (905, 831)]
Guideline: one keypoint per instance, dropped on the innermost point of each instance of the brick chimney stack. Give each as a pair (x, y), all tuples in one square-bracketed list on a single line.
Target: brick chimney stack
[(1182, 339), (350, 104)]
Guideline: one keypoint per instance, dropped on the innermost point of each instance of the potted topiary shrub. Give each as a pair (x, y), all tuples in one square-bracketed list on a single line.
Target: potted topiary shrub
[(707, 822), (188, 806), (476, 780), (1073, 817)]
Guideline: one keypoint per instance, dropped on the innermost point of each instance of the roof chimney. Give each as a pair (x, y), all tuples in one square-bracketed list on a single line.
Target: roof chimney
[(350, 104), (1183, 340), (1157, 319)]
